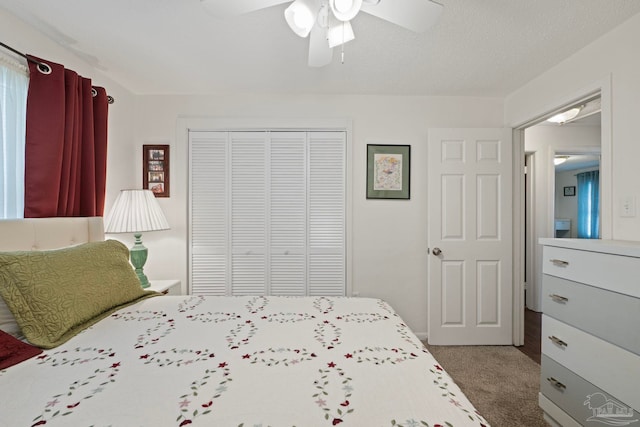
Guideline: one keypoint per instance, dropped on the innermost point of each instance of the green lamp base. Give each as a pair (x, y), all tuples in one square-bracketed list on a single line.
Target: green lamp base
[(138, 254)]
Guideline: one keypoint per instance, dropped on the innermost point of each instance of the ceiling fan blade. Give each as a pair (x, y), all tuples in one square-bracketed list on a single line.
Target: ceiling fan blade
[(227, 8), (320, 54), (416, 15)]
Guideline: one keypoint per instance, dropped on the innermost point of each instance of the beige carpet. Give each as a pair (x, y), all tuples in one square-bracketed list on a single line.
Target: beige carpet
[(500, 381)]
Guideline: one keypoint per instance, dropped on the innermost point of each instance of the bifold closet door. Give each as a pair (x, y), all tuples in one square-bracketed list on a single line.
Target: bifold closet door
[(288, 213), (208, 213), (326, 214), (267, 213)]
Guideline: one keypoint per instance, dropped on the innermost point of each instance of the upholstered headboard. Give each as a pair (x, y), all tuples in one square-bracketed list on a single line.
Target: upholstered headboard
[(48, 233)]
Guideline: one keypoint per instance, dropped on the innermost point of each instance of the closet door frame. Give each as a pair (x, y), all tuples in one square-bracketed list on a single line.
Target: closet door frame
[(240, 124)]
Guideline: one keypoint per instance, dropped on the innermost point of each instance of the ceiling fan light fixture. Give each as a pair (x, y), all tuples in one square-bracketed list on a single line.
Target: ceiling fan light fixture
[(345, 10), (340, 33), (301, 16)]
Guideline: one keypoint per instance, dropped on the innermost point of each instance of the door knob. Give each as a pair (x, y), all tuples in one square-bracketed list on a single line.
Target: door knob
[(436, 251)]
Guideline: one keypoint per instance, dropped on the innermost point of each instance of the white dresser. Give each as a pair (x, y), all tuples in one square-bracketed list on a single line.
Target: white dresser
[(590, 373)]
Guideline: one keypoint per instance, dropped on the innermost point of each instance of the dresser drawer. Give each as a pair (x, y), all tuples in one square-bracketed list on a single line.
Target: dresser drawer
[(609, 315), (613, 272), (571, 393), (597, 361)]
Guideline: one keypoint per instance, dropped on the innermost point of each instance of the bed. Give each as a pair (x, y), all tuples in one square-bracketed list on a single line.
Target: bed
[(156, 360)]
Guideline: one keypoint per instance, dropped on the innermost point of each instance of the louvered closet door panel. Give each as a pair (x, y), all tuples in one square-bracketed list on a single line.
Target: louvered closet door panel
[(326, 229), (208, 180), (248, 213), (288, 213)]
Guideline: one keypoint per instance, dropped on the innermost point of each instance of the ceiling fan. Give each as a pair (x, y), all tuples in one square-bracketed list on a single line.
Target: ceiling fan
[(327, 22)]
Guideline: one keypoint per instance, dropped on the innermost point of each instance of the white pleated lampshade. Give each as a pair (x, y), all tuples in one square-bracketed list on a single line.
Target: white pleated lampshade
[(135, 211)]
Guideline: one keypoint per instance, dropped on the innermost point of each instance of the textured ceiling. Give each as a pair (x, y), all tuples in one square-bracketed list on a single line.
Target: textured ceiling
[(477, 48)]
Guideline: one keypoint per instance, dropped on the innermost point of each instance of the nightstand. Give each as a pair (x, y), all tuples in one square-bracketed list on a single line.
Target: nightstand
[(167, 287)]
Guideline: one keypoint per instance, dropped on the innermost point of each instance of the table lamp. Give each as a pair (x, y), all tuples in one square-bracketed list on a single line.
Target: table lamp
[(136, 211)]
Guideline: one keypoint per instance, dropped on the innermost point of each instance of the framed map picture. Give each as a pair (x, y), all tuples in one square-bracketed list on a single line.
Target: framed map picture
[(155, 169), (388, 171)]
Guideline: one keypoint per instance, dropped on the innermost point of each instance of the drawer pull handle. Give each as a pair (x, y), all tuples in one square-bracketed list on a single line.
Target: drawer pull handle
[(558, 298), (558, 341), (559, 262), (557, 384)]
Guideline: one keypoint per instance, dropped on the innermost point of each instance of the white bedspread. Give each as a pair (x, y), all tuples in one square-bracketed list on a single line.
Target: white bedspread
[(238, 361)]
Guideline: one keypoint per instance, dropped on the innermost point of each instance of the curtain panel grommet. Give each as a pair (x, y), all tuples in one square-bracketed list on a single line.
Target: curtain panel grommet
[(44, 68)]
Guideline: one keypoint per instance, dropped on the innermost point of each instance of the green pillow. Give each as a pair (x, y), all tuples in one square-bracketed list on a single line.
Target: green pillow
[(56, 294)]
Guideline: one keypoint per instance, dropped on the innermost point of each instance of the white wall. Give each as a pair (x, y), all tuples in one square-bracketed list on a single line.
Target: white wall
[(389, 243), (389, 237), (388, 249), (544, 141), (613, 57)]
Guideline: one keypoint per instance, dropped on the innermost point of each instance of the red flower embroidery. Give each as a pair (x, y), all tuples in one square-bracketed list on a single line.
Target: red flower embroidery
[(73, 405), (115, 365), (345, 403), (39, 423), (206, 405), (185, 422), (348, 355), (246, 356), (222, 365), (336, 421), (331, 365)]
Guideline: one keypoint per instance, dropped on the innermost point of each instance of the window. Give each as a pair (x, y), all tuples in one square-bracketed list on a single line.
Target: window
[(14, 84), (267, 213)]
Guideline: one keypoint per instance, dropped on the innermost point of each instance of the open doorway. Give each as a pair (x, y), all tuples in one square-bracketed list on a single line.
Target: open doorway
[(547, 210), (575, 138)]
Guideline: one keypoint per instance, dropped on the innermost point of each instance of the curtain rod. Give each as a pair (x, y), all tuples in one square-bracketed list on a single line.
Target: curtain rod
[(110, 98)]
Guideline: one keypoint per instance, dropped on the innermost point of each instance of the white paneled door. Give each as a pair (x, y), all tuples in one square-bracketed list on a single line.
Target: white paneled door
[(470, 237)]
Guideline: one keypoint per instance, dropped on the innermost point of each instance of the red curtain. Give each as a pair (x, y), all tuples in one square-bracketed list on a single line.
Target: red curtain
[(66, 144)]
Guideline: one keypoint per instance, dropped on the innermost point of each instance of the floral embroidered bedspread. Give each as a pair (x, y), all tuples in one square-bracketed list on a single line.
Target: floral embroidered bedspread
[(238, 362)]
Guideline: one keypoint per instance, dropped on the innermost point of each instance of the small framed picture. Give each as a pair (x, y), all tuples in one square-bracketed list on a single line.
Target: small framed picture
[(388, 171), (570, 191), (155, 169)]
